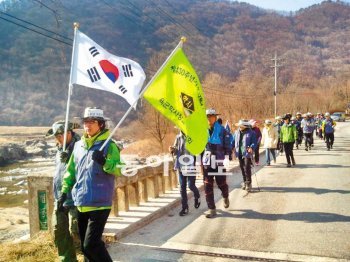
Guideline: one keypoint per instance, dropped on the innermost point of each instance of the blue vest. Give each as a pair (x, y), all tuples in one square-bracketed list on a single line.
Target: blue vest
[(328, 126), (219, 142), (93, 187), (60, 171)]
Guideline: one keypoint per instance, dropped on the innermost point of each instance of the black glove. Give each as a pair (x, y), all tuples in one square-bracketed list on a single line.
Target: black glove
[(60, 202), (64, 156), (99, 157)]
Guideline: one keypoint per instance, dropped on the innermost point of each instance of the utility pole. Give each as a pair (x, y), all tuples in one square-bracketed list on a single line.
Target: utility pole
[(275, 91)]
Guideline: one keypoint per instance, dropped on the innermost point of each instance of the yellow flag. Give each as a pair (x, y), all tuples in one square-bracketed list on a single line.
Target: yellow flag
[(177, 94)]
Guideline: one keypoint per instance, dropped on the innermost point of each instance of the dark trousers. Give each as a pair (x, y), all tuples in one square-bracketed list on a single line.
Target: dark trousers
[(91, 225), (209, 185), (308, 139), (246, 167), (183, 188), (329, 139), (64, 230), (320, 133), (299, 139), (288, 148), (280, 146), (256, 153)]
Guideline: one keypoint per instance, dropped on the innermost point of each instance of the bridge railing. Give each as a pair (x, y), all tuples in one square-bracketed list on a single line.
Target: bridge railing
[(145, 183)]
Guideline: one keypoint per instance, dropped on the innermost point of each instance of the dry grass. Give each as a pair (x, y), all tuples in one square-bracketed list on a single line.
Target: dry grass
[(38, 249), (19, 134), (149, 146)]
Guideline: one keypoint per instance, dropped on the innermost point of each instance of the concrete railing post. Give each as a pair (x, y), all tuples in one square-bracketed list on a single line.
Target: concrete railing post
[(134, 199), (123, 198), (41, 202), (143, 191)]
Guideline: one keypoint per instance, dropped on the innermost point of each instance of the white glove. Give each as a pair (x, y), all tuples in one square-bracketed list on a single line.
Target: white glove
[(226, 162)]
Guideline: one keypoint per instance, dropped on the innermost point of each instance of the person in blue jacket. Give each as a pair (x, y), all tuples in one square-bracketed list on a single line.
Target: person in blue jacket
[(244, 145), (217, 151), (64, 220), (328, 130)]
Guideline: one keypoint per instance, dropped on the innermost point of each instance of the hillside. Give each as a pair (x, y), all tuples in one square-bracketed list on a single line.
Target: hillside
[(230, 44)]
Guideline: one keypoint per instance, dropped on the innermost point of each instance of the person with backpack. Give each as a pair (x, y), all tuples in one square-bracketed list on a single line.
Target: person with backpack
[(297, 123), (278, 124), (178, 150), (90, 177), (269, 141), (328, 130), (64, 220), (244, 146), (308, 126), (257, 131), (288, 136), (217, 151)]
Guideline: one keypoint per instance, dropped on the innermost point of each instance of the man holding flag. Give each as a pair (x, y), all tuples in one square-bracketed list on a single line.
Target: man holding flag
[(217, 151)]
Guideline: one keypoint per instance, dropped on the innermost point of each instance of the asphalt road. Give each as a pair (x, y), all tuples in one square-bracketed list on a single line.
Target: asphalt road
[(299, 214)]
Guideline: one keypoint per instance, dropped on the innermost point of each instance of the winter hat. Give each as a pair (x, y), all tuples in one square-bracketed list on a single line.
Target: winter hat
[(268, 122), (58, 128)]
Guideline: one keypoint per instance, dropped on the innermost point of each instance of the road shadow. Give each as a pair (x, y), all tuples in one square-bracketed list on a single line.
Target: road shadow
[(307, 217), (320, 154), (317, 191), (320, 166)]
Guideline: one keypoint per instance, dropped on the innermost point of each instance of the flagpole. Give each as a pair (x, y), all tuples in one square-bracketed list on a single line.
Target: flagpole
[(70, 87), (179, 45)]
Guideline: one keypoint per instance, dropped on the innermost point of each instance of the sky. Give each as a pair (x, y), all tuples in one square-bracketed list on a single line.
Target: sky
[(284, 5)]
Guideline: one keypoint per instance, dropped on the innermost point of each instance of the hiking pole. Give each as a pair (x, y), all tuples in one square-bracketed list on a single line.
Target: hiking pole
[(256, 179)]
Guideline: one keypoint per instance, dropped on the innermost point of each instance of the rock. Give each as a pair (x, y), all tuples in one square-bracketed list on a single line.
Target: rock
[(37, 148), (10, 153), (20, 221)]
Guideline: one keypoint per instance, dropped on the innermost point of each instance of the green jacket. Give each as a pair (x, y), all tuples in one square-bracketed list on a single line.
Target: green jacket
[(112, 166), (288, 133)]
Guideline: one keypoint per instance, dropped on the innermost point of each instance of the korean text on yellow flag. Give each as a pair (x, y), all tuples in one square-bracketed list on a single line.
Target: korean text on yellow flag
[(178, 95)]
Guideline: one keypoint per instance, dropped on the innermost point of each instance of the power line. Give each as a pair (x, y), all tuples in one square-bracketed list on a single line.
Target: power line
[(170, 17), (44, 29), (35, 31), (41, 3), (199, 30)]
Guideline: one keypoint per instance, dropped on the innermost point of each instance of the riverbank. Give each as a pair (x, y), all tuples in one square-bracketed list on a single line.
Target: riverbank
[(14, 223)]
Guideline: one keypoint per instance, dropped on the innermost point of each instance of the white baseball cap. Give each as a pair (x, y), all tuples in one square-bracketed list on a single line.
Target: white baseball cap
[(211, 111), (93, 113)]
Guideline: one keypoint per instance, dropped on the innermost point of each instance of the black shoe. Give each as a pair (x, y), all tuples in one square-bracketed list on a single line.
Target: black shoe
[(183, 212), (328, 149), (289, 165), (306, 149), (212, 213), (197, 202), (226, 202)]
